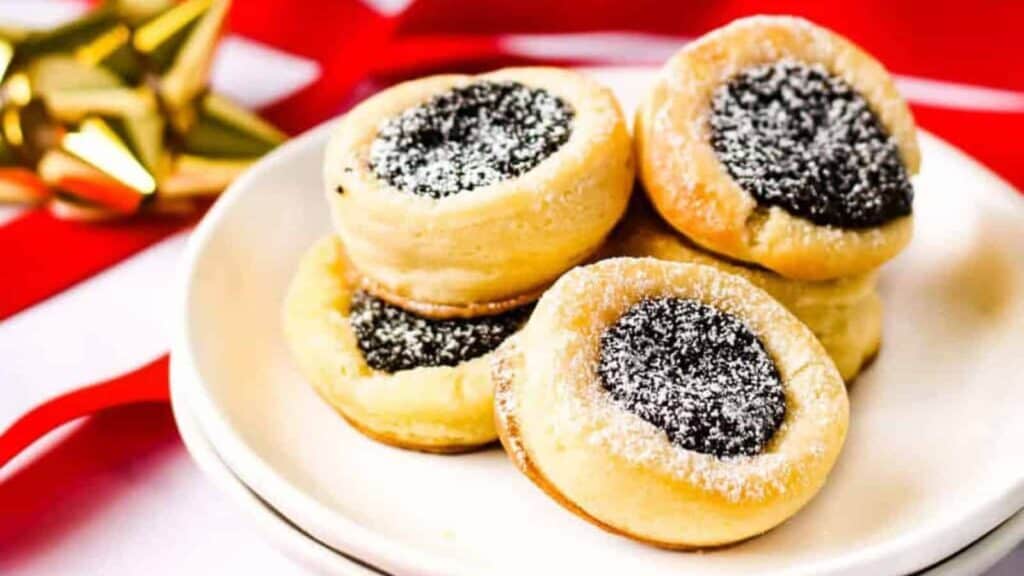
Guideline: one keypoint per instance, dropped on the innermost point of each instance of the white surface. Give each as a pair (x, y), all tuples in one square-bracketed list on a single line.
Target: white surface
[(287, 538), (930, 465), (39, 13)]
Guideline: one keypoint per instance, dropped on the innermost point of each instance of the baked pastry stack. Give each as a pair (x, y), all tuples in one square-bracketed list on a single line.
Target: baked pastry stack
[(686, 391), (456, 201), (782, 152)]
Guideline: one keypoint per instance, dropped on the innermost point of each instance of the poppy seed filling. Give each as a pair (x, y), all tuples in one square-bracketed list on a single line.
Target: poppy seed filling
[(794, 136), (469, 137), (695, 372), (393, 339)]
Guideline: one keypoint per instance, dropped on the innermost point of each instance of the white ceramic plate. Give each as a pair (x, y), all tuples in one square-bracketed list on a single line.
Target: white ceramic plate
[(288, 538), (974, 560), (931, 463)]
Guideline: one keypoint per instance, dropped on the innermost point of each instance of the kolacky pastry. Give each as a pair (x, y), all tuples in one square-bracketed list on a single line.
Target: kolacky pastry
[(774, 141), (671, 403), (409, 381), (460, 195)]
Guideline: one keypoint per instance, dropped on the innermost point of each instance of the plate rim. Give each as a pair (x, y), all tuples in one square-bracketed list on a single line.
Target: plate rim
[(909, 552), (984, 553)]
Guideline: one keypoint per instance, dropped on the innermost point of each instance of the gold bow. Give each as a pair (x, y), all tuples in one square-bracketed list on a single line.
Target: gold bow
[(111, 114)]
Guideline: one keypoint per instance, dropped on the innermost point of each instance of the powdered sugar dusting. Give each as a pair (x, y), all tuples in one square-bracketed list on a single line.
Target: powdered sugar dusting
[(470, 137), (695, 372), (393, 339), (794, 136)]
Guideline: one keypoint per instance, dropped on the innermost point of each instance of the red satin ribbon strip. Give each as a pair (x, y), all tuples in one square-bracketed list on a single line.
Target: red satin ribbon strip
[(144, 384)]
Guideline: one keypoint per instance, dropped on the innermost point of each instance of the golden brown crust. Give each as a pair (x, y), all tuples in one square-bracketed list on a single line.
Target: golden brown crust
[(442, 409), (428, 446), (611, 467), (850, 334), (869, 360), (495, 243), (508, 434), (691, 189)]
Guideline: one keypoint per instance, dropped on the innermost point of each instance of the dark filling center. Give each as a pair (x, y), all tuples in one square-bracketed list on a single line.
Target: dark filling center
[(697, 373), (470, 137), (794, 136), (392, 339)]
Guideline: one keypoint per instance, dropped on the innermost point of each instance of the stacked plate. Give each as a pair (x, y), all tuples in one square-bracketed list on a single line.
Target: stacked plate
[(932, 462)]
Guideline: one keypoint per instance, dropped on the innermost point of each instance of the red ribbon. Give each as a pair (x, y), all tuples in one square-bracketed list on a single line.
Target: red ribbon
[(145, 384)]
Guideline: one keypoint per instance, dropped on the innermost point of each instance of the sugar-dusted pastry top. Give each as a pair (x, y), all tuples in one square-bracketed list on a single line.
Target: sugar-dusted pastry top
[(795, 136), (456, 232), (695, 372), (393, 339), (470, 136)]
